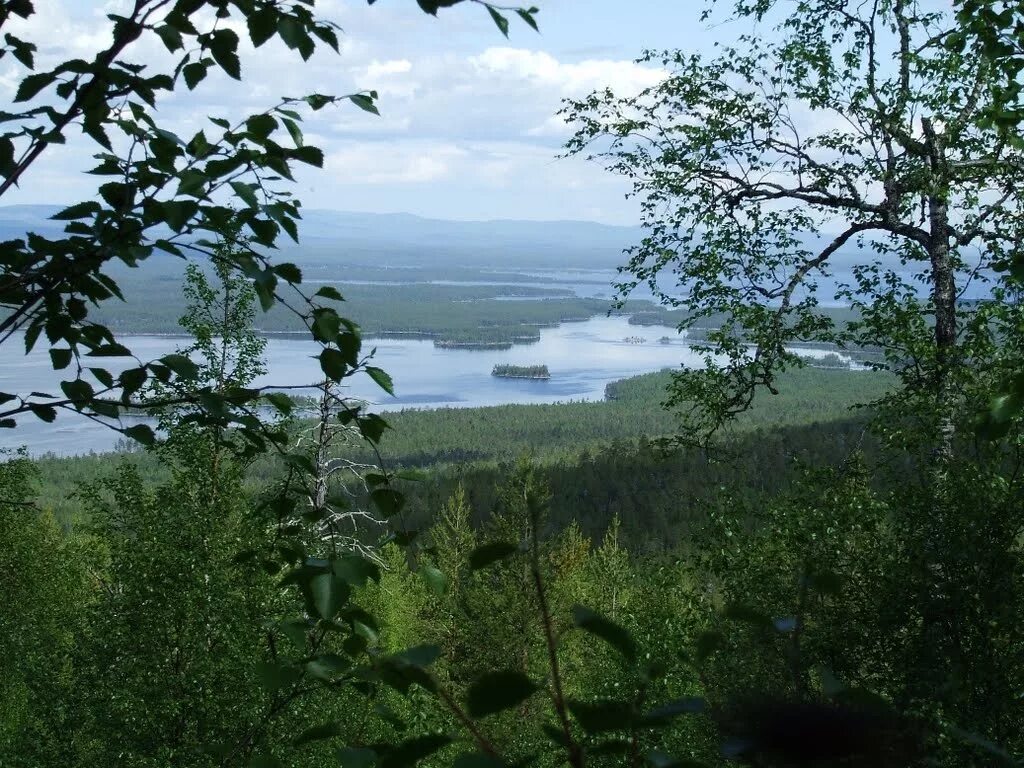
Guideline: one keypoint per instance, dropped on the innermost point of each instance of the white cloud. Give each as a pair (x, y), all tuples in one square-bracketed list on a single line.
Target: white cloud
[(570, 79), (466, 180), (392, 163), (475, 125), (384, 68)]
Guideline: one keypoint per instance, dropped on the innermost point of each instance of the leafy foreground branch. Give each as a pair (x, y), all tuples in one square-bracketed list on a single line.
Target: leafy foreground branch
[(220, 195)]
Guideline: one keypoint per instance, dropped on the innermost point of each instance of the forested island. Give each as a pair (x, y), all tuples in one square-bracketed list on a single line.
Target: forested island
[(521, 371)]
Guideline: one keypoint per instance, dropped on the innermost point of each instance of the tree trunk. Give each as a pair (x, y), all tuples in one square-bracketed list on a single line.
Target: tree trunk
[(943, 292), (940, 594), (321, 457)]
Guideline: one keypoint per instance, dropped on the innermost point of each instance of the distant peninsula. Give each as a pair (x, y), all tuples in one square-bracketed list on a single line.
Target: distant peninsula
[(521, 372)]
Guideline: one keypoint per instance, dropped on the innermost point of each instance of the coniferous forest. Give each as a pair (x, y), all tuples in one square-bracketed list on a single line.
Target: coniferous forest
[(803, 548)]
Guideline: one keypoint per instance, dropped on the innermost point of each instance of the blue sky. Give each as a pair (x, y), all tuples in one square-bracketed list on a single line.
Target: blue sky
[(467, 128)]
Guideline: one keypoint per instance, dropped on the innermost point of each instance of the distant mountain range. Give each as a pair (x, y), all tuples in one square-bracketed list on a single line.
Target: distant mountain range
[(327, 236), (399, 239)]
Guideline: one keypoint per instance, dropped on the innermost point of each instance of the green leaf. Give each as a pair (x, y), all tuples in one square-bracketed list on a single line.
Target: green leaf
[(289, 226), (356, 570), (309, 155), (607, 630), (177, 213), (662, 715), (224, 49), (266, 231), (194, 74), (388, 501), (372, 427), (318, 101), (488, 554), (326, 34), (22, 51), (707, 643), (321, 732), (411, 751), (132, 379), (326, 326), (171, 37), (364, 102), (293, 130), (6, 157), (192, 182), (421, 656), (140, 433), (84, 210), (77, 390), (435, 579), (282, 402), (288, 272), (477, 760), (602, 716), (329, 594), (330, 292), (273, 676), (498, 691), (332, 363), (382, 379), (748, 615), (181, 365), (45, 413), (261, 126), (262, 24), (351, 757), (527, 15), (294, 35), (327, 667), (60, 358), (500, 21), (246, 192), (32, 85)]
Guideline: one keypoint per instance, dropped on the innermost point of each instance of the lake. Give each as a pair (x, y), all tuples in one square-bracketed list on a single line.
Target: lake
[(582, 357)]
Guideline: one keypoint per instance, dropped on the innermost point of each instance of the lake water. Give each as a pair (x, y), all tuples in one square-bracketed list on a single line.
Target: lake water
[(582, 357)]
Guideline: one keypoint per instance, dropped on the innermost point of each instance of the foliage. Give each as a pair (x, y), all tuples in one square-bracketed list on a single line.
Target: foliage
[(161, 192), (601, 456), (176, 619), (884, 607), (47, 588), (220, 322), (521, 371), (760, 168), (818, 595), (882, 127)]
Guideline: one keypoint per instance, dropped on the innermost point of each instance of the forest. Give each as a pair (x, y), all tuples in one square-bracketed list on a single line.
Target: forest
[(506, 371), (765, 559), (447, 313)]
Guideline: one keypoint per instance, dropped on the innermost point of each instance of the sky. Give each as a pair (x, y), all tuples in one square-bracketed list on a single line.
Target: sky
[(467, 127)]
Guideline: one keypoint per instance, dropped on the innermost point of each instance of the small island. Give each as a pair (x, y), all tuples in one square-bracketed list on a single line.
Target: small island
[(521, 371)]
